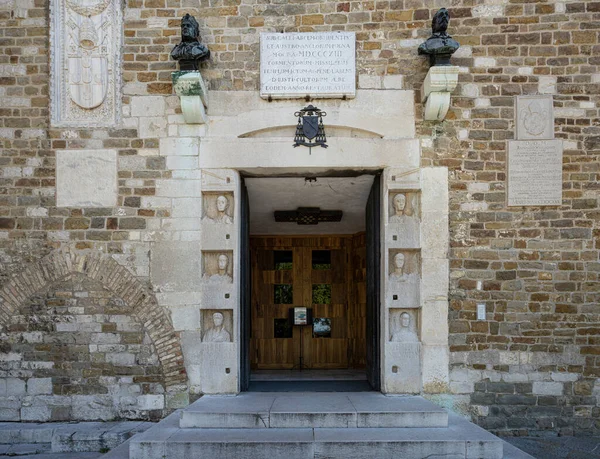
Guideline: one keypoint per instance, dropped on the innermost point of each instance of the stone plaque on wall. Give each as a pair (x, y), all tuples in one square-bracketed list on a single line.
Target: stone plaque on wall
[(534, 118), (86, 178), (535, 172), (85, 62), (315, 64)]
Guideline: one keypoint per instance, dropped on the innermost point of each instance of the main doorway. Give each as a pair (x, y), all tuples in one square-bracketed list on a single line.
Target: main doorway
[(321, 277)]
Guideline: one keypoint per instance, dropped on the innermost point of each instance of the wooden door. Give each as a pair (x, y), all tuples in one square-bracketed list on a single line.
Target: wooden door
[(314, 272), (373, 242), (245, 285)]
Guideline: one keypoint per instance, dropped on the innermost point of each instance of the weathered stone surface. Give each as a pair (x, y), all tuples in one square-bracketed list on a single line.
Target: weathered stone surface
[(86, 178)]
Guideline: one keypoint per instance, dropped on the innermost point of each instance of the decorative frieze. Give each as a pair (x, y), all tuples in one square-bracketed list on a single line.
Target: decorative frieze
[(85, 56)]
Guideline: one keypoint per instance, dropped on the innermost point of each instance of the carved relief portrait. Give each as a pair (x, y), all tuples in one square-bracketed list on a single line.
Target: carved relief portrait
[(218, 267), (216, 326), (403, 206), (218, 208), (85, 53), (403, 326), (404, 266)]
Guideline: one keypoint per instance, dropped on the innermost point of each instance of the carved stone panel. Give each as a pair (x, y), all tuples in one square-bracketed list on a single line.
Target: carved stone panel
[(404, 279), (403, 325), (217, 325), (218, 208), (217, 267), (534, 118), (85, 54)]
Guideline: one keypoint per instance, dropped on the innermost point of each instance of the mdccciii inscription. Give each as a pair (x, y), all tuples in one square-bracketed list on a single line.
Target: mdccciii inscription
[(316, 64), (535, 172)]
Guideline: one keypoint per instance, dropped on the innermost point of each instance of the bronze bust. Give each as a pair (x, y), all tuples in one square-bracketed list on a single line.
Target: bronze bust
[(189, 52), (440, 46)]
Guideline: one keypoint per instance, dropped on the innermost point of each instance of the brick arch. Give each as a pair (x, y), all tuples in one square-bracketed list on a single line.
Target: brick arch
[(115, 278)]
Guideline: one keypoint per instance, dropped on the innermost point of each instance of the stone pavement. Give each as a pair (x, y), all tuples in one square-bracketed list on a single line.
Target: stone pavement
[(65, 440)]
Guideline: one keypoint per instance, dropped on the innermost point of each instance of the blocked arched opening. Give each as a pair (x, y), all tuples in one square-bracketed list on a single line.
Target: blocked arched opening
[(119, 281)]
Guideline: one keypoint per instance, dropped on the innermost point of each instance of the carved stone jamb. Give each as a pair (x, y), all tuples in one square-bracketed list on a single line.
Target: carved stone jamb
[(435, 91), (190, 88)]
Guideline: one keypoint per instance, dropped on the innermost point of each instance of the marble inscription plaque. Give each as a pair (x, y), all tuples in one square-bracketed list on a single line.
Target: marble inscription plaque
[(535, 172), (315, 64), (85, 57), (534, 118)]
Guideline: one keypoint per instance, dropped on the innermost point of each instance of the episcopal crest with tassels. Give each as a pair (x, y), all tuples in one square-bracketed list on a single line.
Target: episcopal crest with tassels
[(310, 126)]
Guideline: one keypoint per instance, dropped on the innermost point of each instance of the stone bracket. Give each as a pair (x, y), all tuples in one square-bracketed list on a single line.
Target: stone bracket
[(190, 88), (435, 91)]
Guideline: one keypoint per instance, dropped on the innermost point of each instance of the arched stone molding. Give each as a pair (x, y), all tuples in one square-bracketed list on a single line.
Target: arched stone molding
[(115, 278)]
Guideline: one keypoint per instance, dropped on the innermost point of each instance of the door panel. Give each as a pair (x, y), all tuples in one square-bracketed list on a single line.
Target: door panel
[(373, 283), (245, 289), (327, 288)]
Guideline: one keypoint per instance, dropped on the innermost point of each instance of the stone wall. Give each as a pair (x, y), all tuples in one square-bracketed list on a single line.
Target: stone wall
[(534, 363), (76, 352)]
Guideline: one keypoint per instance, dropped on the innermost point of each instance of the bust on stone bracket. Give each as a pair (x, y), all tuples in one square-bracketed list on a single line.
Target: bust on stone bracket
[(187, 82), (442, 77)]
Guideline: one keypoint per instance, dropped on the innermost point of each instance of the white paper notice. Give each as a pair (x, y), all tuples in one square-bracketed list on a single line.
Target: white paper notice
[(315, 64), (535, 172)]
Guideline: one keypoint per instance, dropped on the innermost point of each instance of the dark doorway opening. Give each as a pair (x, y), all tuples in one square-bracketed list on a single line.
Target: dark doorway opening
[(336, 278)]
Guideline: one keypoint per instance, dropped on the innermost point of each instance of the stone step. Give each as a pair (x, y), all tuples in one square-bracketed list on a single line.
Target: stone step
[(461, 439), (312, 410)]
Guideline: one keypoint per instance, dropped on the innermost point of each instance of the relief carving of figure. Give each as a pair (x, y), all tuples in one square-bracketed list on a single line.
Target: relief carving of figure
[(190, 51), (221, 277), (222, 216), (87, 54), (404, 334), (217, 333), (400, 209), (398, 275)]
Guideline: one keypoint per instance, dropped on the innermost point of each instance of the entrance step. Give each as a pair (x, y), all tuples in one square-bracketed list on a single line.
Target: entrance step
[(460, 439), (312, 410)]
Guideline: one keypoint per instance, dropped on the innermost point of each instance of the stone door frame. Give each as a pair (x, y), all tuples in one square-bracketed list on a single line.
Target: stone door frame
[(238, 143)]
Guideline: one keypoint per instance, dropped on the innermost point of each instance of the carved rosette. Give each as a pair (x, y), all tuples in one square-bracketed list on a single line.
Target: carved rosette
[(85, 56)]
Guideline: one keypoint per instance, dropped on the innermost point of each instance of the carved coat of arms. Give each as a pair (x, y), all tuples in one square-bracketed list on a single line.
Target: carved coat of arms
[(85, 59), (88, 55)]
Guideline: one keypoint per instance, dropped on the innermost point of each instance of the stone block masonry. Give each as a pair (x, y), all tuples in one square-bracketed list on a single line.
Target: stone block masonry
[(532, 365)]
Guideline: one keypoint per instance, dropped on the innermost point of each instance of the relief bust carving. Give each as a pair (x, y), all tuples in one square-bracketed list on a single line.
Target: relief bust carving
[(405, 333), (401, 210), (217, 333), (221, 276), (222, 207), (398, 274)]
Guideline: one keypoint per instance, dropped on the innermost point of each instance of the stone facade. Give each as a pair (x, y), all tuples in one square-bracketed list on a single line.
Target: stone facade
[(532, 365)]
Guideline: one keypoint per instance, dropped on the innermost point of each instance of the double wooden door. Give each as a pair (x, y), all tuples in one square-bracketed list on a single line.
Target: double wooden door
[(326, 274)]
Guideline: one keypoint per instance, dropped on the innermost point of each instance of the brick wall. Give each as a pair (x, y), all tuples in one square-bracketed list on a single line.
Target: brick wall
[(76, 353), (534, 363)]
